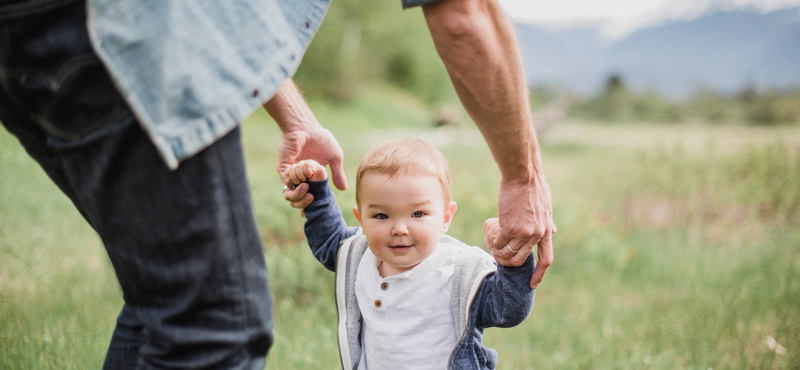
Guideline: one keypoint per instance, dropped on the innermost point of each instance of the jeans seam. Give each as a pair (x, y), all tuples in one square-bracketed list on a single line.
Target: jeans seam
[(54, 83), (102, 123), (243, 326), (25, 73), (71, 66)]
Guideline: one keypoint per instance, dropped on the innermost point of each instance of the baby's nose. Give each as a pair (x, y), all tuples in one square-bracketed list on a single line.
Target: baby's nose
[(399, 229)]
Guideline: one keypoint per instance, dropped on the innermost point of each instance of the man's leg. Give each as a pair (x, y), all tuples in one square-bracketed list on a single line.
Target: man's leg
[(183, 243)]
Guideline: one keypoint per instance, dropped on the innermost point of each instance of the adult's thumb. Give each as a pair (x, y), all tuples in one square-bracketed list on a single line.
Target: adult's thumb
[(338, 176)]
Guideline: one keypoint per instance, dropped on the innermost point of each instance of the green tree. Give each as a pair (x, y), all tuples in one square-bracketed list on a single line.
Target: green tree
[(366, 41)]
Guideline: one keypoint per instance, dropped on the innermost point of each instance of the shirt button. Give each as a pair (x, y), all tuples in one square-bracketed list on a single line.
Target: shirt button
[(378, 303), (384, 286)]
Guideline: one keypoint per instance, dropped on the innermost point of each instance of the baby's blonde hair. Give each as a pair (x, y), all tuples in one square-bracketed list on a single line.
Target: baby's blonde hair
[(406, 157)]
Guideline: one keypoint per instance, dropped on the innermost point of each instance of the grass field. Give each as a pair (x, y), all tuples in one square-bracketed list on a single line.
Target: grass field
[(678, 247)]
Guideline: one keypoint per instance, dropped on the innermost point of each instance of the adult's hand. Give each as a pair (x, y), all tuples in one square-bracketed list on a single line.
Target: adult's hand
[(314, 142), (525, 222), (302, 137)]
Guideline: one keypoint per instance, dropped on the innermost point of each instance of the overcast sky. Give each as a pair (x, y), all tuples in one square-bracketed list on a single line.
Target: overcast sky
[(617, 18)]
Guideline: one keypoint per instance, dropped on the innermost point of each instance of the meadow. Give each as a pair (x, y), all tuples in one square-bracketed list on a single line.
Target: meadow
[(678, 246)]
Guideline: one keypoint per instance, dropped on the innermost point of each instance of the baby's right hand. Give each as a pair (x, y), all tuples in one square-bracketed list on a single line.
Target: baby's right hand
[(296, 192)]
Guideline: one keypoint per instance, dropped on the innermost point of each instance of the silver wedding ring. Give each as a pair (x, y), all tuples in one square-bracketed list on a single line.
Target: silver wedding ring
[(510, 250)]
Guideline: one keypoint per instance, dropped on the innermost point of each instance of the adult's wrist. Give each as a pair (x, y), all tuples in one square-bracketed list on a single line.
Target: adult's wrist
[(524, 175), (289, 128), (519, 160), (290, 111)]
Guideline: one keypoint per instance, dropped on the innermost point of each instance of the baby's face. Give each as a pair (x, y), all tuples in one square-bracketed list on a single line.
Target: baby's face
[(402, 218)]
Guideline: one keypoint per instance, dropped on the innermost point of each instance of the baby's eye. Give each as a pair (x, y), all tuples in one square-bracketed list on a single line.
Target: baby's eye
[(418, 214), (381, 216)]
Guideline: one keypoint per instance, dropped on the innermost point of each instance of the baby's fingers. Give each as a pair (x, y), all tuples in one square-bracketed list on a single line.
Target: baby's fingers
[(314, 171), (490, 230), (307, 170), (290, 176), (298, 173), (310, 169), (489, 223)]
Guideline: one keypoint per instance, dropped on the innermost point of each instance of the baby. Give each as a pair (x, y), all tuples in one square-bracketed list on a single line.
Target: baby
[(409, 296)]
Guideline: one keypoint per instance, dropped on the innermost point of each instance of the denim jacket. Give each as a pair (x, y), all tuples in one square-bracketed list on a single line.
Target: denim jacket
[(191, 70), (484, 295)]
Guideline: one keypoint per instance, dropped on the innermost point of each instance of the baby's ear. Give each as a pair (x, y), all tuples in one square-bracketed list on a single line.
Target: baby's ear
[(449, 212), (358, 216)]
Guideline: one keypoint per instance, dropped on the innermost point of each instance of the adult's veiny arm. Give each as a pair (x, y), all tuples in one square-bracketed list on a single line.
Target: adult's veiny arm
[(302, 137), (478, 46)]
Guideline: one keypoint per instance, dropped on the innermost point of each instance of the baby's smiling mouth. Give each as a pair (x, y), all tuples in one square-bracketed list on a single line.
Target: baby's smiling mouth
[(399, 246)]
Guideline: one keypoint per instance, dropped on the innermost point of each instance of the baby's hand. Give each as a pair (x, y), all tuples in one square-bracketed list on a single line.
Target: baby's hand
[(295, 191), (306, 170), (491, 228)]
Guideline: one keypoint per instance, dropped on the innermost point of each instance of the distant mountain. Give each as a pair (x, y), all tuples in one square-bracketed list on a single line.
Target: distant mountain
[(723, 51)]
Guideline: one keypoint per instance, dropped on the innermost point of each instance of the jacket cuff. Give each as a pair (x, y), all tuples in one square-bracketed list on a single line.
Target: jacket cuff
[(319, 189), (413, 3), (525, 270)]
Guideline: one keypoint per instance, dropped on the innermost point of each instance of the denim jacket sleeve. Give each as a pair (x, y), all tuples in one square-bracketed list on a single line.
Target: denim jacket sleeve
[(507, 298), (325, 228)]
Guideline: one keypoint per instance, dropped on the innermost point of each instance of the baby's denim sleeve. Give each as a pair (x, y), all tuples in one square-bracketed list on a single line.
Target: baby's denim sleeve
[(507, 296)]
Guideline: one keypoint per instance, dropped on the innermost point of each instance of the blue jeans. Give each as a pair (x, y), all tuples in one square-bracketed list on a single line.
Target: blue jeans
[(183, 243)]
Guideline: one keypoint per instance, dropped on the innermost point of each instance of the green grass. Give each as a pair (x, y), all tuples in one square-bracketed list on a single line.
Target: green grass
[(58, 295), (670, 254)]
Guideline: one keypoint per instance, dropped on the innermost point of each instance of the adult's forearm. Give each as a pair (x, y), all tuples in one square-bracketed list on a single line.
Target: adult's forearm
[(478, 46), (289, 109), (479, 49)]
